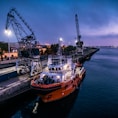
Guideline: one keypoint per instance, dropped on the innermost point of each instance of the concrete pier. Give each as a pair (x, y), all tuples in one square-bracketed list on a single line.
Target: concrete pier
[(12, 87), (16, 85), (87, 53)]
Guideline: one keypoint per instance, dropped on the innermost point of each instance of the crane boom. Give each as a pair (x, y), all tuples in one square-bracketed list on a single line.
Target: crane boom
[(29, 55), (77, 28), (79, 43), (23, 36)]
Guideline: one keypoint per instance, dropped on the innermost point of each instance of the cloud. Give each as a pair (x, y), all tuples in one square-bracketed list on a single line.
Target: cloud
[(110, 28), (51, 19)]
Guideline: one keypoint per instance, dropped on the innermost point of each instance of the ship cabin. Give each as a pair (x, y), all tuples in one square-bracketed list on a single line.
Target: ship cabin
[(60, 65), (59, 70)]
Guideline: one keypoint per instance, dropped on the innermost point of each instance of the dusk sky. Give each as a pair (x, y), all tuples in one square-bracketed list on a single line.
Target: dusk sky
[(51, 19)]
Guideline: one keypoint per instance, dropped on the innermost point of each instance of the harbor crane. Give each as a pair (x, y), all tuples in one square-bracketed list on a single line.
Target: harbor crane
[(28, 54), (79, 43)]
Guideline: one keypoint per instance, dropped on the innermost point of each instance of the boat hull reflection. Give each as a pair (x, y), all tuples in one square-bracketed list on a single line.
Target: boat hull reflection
[(57, 109)]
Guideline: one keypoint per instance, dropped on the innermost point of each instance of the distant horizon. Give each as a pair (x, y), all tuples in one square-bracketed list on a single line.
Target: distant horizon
[(69, 44)]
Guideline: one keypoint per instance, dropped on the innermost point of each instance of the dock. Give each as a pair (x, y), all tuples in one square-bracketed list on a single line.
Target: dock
[(19, 84), (87, 53), (12, 87)]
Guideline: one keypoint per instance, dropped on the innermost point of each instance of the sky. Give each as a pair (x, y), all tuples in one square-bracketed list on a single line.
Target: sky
[(52, 19)]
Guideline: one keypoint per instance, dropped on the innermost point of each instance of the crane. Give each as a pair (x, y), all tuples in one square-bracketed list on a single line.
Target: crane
[(20, 32), (79, 43), (29, 55)]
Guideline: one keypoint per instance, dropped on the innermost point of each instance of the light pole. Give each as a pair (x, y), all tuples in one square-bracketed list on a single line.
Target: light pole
[(8, 33), (59, 49)]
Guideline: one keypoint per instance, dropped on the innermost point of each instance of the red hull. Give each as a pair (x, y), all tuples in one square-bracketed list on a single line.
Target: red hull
[(66, 88)]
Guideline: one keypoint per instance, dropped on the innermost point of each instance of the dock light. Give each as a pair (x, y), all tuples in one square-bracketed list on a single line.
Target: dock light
[(43, 75), (8, 33), (60, 39), (75, 41)]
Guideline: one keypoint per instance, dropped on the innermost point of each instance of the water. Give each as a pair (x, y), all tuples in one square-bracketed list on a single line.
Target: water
[(97, 97)]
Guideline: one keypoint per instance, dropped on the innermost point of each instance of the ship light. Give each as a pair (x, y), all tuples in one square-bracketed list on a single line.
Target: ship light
[(58, 77), (43, 75), (64, 67)]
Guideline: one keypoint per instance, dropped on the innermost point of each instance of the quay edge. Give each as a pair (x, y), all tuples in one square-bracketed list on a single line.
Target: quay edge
[(15, 86), (86, 55)]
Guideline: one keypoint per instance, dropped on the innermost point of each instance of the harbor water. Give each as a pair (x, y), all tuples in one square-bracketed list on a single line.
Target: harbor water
[(96, 97)]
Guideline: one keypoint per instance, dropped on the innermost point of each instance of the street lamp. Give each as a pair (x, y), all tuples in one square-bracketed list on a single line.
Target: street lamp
[(60, 39), (8, 33)]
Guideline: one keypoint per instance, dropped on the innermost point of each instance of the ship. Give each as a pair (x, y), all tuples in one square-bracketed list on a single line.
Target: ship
[(59, 79)]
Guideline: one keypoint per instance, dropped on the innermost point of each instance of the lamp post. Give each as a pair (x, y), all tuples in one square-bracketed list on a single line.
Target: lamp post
[(59, 52), (8, 33)]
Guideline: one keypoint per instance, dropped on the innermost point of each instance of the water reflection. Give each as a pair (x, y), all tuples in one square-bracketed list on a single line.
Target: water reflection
[(23, 105), (12, 106), (58, 109)]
